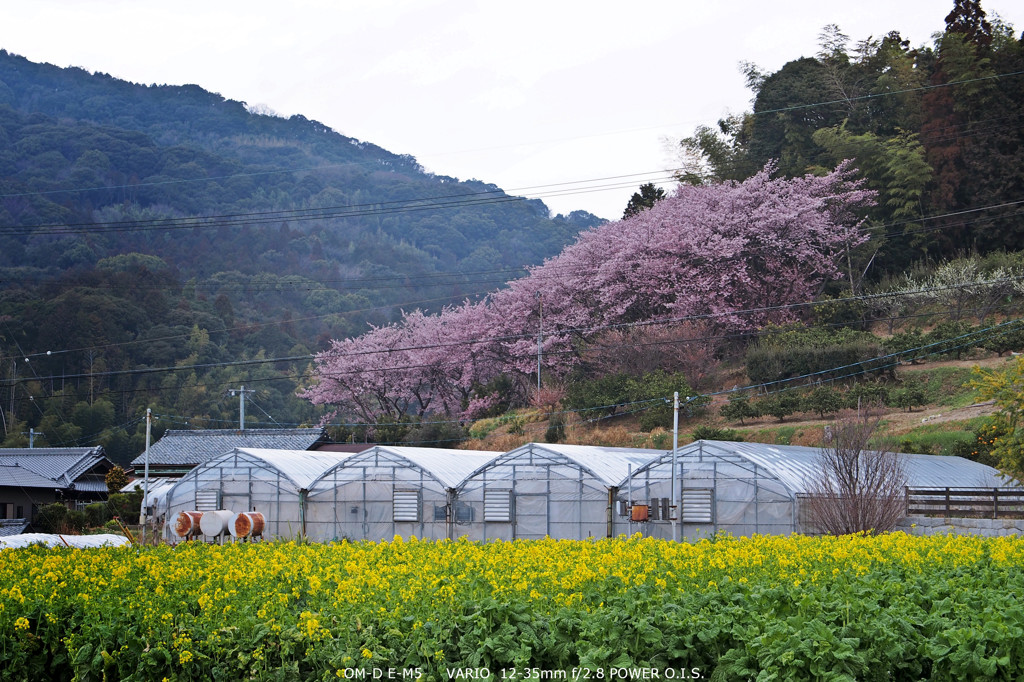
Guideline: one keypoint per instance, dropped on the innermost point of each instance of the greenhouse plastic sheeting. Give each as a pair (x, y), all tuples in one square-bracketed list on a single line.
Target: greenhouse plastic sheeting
[(73, 541), (757, 488), (272, 482), (548, 490), (746, 498), (387, 491)]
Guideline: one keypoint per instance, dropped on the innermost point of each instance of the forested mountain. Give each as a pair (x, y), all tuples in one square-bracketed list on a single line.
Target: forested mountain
[(144, 227)]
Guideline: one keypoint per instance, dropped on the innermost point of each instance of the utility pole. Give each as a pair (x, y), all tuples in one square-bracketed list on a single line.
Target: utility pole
[(241, 405), (675, 453), (32, 433), (3, 417), (145, 482)]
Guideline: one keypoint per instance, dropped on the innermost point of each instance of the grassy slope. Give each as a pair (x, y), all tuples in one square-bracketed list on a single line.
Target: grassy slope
[(951, 414)]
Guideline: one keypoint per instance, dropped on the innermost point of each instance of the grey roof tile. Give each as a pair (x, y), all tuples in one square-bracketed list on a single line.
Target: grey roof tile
[(190, 448), (20, 477), (11, 527), (59, 467)]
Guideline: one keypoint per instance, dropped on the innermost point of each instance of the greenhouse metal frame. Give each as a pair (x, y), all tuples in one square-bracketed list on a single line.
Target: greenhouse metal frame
[(534, 491), (549, 490), (272, 482), (386, 491), (747, 488)]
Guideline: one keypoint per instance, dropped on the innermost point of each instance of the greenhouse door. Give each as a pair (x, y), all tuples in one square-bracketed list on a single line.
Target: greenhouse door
[(531, 516)]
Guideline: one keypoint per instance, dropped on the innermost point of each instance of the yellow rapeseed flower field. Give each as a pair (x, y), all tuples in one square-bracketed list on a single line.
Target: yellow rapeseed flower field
[(891, 606)]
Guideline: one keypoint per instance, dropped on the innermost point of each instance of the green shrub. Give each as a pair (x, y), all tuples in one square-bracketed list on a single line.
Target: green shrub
[(555, 432), (906, 346), (126, 506), (440, 434), (116, 479), (839, 311), (77, 520), (978, 446), (737, 409), (907, 397), (950, 339), (661, 441), (599, 397), (704, 432), (865, 394), (97, 514), (57, 518), (817, 354), (822, 400), (652, 392), (778, 405), (1009, 338), (391, 430)]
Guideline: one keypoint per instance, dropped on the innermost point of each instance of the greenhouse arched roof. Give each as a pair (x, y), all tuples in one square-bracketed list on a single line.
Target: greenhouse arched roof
[(447, 467), (301, 467), (795, 466), (611, 466)]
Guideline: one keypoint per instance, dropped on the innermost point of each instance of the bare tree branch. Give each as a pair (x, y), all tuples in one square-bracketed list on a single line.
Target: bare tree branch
[(855, 488)]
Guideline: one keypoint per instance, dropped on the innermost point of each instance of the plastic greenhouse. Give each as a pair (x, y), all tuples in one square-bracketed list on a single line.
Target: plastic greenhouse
[(387, 491), (273, 482), (748, 488), (538, 490)]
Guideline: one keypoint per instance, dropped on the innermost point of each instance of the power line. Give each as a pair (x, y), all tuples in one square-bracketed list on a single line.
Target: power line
[(227, 330), (845, 100), (889, 93), (450, 278), (477, 198), (939, 347), (537, 191), (581, 331)]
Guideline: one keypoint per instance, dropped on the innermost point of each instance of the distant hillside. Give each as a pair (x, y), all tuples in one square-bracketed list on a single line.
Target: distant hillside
[(89, 150), (136, 220)]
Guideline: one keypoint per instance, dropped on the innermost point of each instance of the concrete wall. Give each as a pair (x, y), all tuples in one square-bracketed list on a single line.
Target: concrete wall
[(929, 525)]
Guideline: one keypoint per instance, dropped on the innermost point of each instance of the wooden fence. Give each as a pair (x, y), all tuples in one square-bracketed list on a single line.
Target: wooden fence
[(964, 503)]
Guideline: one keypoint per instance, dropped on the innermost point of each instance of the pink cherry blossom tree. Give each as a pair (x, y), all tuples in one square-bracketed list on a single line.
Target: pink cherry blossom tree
[(733, 255)]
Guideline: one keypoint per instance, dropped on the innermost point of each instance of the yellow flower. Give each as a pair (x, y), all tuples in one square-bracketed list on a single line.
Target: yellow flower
[(21, 623), (367, 653)]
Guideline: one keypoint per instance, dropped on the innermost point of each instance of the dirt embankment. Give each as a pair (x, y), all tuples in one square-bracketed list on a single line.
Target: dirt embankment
[(898, 421)]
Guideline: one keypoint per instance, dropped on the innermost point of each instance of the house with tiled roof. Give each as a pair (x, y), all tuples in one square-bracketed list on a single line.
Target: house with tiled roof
[(33, 477), (179, 451), (12, 527)]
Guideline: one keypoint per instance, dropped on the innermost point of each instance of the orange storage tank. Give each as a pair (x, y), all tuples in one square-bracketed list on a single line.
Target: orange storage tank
[(186, 523), (247, 525)]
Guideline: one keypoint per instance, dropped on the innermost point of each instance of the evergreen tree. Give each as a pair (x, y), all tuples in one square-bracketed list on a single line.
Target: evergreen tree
[(648, 195)]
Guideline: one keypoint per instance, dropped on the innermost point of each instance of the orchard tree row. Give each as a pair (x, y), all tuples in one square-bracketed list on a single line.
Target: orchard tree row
[(726, 258)]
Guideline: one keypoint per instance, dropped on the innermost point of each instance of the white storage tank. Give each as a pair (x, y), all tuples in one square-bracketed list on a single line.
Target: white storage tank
[(215, 523)]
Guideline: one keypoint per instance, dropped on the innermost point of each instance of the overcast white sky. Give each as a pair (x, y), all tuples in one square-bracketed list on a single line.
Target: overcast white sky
[(526, 94)]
